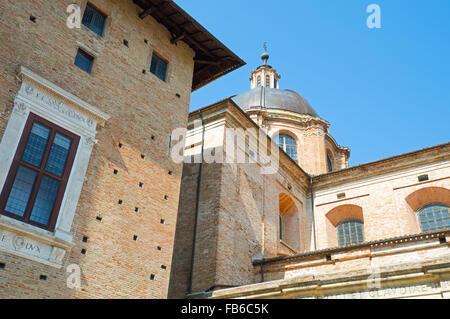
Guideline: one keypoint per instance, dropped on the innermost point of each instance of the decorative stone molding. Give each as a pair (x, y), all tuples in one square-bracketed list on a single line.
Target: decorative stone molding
[(34, 94), (49, 94), (314, 132), (32, 243), (41, 97), (20, 109)]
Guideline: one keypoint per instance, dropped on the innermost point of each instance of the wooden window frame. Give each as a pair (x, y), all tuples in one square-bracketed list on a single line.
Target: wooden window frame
[(17, 162)]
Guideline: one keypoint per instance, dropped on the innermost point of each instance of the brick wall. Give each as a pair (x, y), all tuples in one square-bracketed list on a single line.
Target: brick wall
[(144, 110), (245, 223)]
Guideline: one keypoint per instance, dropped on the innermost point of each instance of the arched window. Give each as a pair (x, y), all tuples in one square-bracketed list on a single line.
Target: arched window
[(258, 80), (275, 83), (267, 81), (350, 232), (289, 223), (434, 217), (329, 163), (287, 144)]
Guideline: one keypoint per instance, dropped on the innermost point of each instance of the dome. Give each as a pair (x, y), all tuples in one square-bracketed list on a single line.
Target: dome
[(271, 98)]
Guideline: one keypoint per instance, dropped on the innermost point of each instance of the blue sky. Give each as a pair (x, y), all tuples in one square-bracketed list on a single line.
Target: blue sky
[(384, 91)]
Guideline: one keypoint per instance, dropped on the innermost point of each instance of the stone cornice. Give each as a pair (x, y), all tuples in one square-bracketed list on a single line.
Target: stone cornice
[(351, 282), (290, 117), (423, 156), (238, 118), (344, 149), (375, 243), (29, 76)]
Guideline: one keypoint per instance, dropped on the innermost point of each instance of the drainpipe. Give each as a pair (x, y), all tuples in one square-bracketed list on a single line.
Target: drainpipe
[(197, 201), (312, 211)]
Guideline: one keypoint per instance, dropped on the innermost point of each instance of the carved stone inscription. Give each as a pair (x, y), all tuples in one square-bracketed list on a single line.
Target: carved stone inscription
[(16, 243), (56, 105)]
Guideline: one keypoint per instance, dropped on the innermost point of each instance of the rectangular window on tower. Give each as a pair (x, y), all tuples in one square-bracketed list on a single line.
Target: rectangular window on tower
[(84, 61), (39, 173), (94, 20), (158, 67)]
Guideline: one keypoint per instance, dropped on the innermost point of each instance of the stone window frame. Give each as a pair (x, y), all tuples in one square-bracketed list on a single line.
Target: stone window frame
[(18, 162), (39, 96)]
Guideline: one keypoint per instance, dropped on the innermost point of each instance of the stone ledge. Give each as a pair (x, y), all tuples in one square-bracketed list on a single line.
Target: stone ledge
[(28, 242), (403, 283)]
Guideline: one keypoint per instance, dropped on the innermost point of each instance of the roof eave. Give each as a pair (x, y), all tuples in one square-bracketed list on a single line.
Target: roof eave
[(212, 59)]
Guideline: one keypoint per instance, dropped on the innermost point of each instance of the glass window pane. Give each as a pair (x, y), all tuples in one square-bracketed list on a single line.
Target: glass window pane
[(434, 217), (45, 200), (84, 61), (94, 20), (34, 151), (353, 231), (98, 23), (288, 144), (158, 67), (58, 154), (21, 190), (88, 16)]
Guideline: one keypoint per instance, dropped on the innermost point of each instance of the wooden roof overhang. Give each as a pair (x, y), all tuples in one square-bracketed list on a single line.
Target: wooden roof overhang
[(212, 58)]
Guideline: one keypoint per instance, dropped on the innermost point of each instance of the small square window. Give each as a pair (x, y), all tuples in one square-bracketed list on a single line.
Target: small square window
[(84, 61), (158, 67), (94, 20)]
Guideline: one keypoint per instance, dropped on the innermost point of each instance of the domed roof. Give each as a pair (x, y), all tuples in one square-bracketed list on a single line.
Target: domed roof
[(271, 98)]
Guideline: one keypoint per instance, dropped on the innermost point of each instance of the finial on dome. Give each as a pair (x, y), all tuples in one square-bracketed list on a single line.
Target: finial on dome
[(265, 55)]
